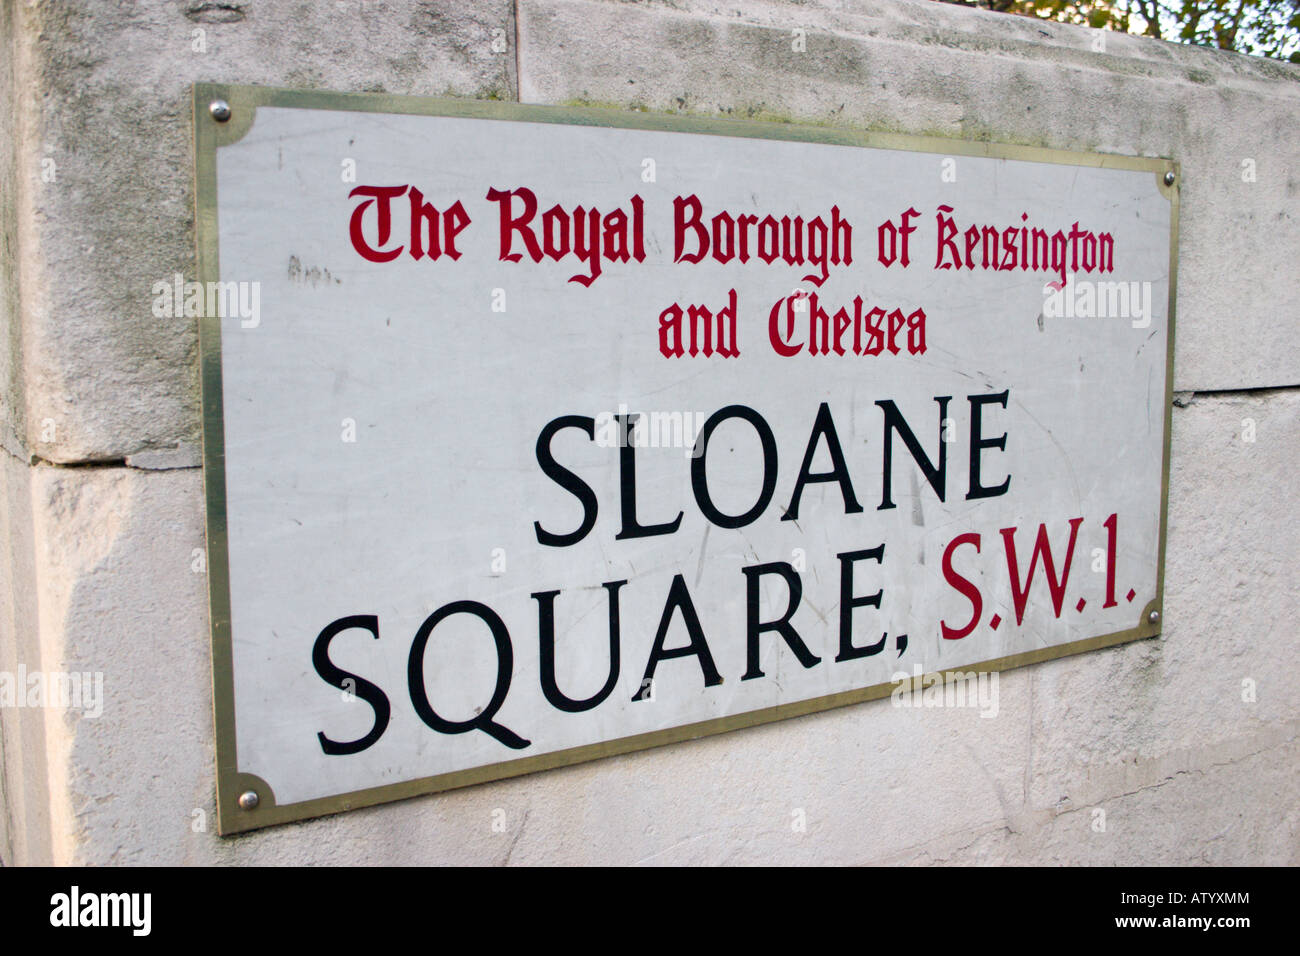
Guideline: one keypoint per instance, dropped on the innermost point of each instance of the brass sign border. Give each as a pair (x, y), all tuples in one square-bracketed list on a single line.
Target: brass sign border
[(223, 113)]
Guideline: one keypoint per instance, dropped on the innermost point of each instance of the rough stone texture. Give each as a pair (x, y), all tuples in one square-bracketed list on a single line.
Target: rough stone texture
[(1232, 604), (923, 68), (1156, 733), (97, 567), (1201, 816), (133, 597), (104, 97), (13, 413), (24, 815), (105, 94), (120, 595)]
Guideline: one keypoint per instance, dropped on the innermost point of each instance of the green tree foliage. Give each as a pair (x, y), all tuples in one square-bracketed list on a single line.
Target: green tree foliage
[(1269, 28)]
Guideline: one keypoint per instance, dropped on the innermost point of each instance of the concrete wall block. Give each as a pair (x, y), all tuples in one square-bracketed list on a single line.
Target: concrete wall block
[(13, 412), (127, 784), (918, 67), (24, 790), (120, 597), (105, 96), (1201, 817), (106, 103), (1112, 721), (1119, 728)]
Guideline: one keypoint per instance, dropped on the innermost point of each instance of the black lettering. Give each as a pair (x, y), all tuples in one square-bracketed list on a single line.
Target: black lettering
[(566, 480), (546, 638), (699, 475), (679, 597), (505, 665), (848, 651), (754, 627), (627, 488), (894, 422), (824, 426), (978, 443), (337, 677)]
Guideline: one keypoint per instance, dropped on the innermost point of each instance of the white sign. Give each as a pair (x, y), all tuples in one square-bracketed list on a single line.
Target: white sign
[(555, 434)]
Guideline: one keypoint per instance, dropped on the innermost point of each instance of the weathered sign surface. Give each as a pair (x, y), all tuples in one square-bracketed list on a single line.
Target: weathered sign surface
[(538, 435)]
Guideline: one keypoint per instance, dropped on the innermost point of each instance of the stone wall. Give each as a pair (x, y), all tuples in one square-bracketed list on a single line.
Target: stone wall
[(102, 487)]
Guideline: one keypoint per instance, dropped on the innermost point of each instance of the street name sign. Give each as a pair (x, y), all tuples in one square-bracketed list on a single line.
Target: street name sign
[(535, 435)]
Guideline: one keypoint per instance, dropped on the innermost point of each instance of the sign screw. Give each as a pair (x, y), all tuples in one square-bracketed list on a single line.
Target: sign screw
[(1169, 176), (1153, 617), (220, 110), (248, 800)]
